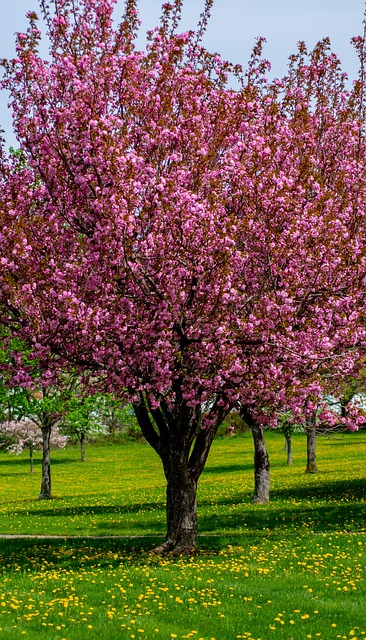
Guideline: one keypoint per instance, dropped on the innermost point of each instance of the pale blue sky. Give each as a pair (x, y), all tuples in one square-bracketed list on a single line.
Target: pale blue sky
[(232, 30)]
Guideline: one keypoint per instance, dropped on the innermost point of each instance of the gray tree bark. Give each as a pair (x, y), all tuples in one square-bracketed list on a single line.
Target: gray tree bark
[(261, 467), (311, 466), (82, 447), (288, 439), (31, 459), (262, 480), (45, 493)]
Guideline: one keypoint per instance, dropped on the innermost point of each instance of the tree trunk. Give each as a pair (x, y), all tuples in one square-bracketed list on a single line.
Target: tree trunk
[(288, 439), (311, 449), (183, 447), (45, 493), (31, 459), (261, 466), (261, 459), (82, 447), (181, 506)]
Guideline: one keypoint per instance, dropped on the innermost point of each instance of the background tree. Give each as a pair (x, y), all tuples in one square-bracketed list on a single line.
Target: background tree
[(31, 392), (261, 459), (82, 419), (43, 406), (21, 435), (287, 426), (353, 391), (116, 416), (328, 419), (185, 240)]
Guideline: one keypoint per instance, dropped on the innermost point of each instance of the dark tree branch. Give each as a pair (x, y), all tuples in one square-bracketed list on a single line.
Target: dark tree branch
[(203, 443), (145, 424)]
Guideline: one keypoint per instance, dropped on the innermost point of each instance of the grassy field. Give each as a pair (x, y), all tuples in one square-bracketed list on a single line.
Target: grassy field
[(294, 569)]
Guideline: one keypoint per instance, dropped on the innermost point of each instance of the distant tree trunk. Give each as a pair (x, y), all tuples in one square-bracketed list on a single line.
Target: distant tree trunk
[(82, 447), (261, 460), (183, 447), (344, 404), (31, 459), (288, 440), (45, 493), (261, 466), (310, 431), (111, 425)]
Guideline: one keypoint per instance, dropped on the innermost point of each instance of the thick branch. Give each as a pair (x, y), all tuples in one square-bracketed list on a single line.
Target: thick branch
[(160, 422), (146, 426), (202, 445)]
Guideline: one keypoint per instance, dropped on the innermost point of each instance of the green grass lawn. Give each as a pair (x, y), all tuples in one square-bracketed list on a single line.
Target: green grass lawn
[(293, 569)]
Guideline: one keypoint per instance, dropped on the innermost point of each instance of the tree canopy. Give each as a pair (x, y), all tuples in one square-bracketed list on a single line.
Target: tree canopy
[(198, 246)]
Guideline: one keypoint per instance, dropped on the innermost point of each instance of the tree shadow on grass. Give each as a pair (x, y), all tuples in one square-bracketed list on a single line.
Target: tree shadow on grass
[(21, 465), (313, 488), (339, 442), (73, 554), (82, 554), (320, 519), (16, 462), (343, 508), (333, 490), (141, 528), (229, 468), (62, 512)]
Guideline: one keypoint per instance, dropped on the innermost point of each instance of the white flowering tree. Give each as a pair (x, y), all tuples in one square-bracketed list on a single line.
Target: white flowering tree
[(19, 435)]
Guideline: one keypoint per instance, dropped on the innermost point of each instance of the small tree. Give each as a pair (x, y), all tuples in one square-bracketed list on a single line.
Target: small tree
[(82, 419), (18, 436), (44, 406), (116, 416), (287, 427), (330, 417), (31, 392)]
